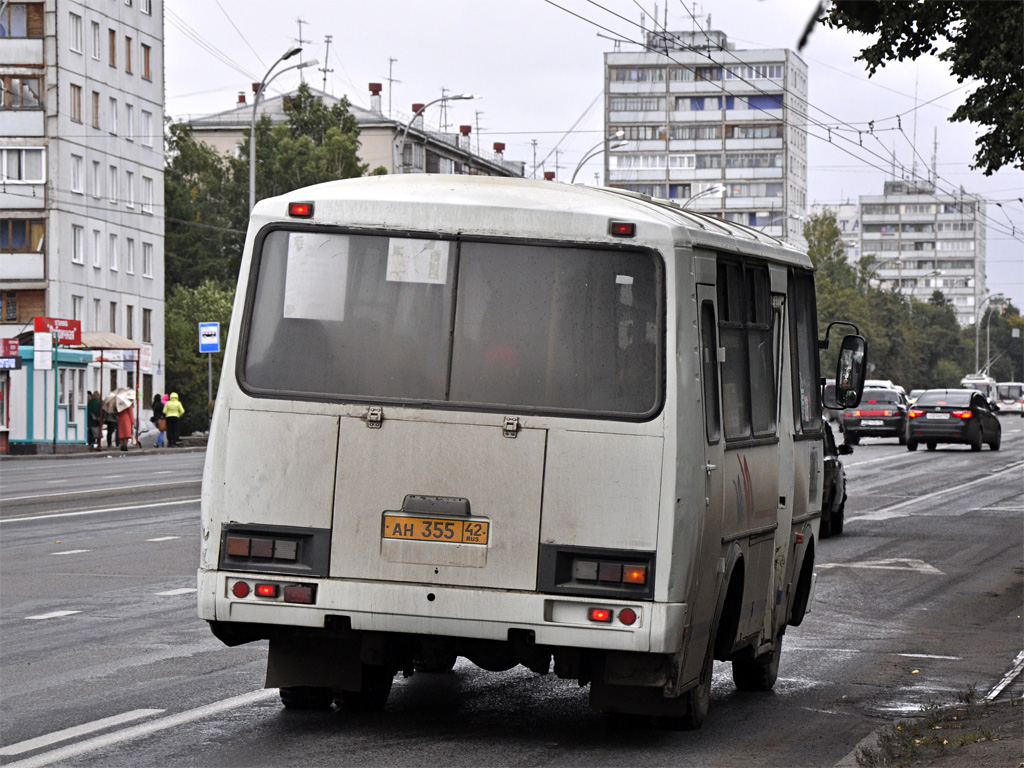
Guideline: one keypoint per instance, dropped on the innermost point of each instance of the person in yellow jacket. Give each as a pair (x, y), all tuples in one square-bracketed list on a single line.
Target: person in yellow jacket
[(173, 411)]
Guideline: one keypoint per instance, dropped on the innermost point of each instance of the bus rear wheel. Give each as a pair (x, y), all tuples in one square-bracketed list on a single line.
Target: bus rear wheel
[(373, 694), (306, 697)]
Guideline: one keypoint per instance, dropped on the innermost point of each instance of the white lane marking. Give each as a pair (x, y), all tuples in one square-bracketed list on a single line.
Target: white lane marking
[(887, 512), (164, 538), (71, 552), (52, 482), (78, 730), (98, 490), (143, 729), (98, 511), (896, 564), (54, 615), (171, 592), (1018, 666), (928, 656)]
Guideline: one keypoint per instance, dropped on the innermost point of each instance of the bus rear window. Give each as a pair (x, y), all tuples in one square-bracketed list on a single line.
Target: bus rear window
[(538, 328)]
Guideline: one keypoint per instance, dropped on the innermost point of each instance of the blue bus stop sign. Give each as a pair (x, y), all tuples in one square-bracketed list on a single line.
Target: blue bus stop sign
[(209, 337)]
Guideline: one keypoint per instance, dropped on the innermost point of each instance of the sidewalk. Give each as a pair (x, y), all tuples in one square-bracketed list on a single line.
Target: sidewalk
[(189, 444)]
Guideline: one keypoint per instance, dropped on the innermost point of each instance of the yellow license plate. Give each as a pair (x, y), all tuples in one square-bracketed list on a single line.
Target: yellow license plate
[(443, 529)]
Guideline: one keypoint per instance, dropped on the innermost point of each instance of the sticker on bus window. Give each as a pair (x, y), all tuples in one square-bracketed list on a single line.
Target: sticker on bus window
[(316, 276), (624, 279), (418, 261)]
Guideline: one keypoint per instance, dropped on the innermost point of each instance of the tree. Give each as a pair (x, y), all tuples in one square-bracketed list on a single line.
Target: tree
[(980, 41), (187, 368)]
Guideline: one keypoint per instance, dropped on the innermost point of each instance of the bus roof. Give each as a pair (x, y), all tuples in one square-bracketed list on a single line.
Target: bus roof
[(494, 206)]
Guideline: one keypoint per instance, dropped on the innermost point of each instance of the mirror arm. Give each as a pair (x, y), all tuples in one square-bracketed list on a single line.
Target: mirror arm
[(828, 330)]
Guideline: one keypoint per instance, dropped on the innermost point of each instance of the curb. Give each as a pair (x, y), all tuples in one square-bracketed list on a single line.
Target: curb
[(134, 451)]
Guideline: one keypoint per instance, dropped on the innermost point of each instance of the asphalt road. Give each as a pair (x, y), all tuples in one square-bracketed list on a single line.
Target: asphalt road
[(104, 663)]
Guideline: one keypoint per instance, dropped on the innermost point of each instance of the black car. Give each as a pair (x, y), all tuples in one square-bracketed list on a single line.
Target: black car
[(881, 413), (833, 492), (953, 416)]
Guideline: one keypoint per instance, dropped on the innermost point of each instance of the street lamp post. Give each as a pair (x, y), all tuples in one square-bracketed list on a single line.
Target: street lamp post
[(598, 148), (709, 191), (977, 331), (255, 102), (420, 111)]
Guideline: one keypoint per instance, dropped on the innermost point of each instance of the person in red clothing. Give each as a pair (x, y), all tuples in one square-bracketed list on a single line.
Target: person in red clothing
[(125, 425)]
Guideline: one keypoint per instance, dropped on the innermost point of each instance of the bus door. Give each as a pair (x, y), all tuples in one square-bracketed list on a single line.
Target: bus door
[(713, 443)]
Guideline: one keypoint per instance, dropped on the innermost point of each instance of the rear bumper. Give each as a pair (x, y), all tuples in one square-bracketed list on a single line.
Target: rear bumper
[(421, 609), (886, 427), (952, 431)]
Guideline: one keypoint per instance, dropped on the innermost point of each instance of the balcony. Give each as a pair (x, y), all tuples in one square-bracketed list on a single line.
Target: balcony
[(22, 266)]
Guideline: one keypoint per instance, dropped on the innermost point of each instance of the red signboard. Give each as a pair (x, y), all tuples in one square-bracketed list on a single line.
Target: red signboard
[(8, 347), (69, 332)]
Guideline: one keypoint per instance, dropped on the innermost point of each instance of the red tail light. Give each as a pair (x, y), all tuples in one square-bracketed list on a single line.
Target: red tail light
[(914, 413), (600, 614), (963, 414)]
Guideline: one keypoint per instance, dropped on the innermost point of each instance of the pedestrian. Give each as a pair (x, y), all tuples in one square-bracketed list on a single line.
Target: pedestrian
[(125, 422), (158, 419), (173, 411), (110, 422), (95, 411)]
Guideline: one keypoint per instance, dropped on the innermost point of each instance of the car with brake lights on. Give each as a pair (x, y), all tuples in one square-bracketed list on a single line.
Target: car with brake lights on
[(882, 413), (953, 416)]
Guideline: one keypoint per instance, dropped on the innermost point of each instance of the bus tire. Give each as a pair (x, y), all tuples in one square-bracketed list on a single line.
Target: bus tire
[(698, 698), (374, 692), (306, 697), (758, 674)]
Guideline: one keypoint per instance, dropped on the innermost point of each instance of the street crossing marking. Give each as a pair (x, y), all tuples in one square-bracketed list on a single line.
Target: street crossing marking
[(76, 731), (54, 615), (1016, 669), (896, 564)]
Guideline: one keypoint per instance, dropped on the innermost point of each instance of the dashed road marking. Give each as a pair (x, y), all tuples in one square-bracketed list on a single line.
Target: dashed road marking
[(71, 552), (76, 731), (172, 592), (53, 615), (1016, 669), (164, 538)]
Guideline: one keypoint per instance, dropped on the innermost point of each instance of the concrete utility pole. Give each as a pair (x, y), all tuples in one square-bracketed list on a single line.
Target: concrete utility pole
[(391, 82), (327, 56)]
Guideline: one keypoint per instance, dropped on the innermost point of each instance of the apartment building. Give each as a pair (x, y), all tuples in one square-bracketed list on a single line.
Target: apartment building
[(717, 129), (81, 179), (925, 241), (848, 220), (398, 145)]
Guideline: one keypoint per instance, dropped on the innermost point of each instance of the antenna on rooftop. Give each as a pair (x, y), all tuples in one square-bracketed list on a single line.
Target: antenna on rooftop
[(301, 42)]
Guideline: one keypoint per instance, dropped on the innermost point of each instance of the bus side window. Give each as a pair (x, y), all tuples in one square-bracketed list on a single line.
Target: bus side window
[(709, 370)]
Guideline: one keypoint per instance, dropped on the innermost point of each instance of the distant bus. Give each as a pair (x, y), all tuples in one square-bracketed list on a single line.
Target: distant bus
[(979, 381), (1009, 395), (518, 422)]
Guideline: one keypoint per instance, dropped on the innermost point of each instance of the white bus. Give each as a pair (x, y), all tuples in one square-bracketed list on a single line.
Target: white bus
[(1010, 396), (519, 422), (981, 382)]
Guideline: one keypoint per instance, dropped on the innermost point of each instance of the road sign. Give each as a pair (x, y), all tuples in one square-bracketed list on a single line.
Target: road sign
[(9, 347), (69, 332), (209, 337)]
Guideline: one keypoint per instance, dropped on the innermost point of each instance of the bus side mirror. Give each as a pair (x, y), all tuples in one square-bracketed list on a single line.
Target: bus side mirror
[(850, 371)]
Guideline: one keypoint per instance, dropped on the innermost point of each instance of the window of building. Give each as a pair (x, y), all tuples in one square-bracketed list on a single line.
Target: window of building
[(97, 251), (129, 321), (956, 245), (678, 191), (129, 189), (129, 122), (147, 259), (77, 303), (76, 103), (754, 189), (147, 7), (708, 73), (918, 208), (129, 256), (698, 103), (112, 254), (754, 72), (127, 54), (637, 74), (77, 169), (112, 182), (22, 235), (756, 131), (682, 161), (97, 179), (95, 109), (753, 160), (957, 208), (679, 74), (113, 319), (639, 132), (636, 104), (112, 47), (21, 20), (19, 92), (147, 72), (112, 125), (955, 226), (22, 165), (147, 128), (77, 244), (97, 46), (147, 194), (147, 326), (75, 32), (97, 308), (709, 161), (651, 190)]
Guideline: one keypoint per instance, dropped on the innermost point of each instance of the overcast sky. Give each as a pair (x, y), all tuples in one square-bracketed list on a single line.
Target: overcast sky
[(538, 67)]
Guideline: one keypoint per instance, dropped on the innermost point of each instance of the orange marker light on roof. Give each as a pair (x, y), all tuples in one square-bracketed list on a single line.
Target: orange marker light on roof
[(300, 210)]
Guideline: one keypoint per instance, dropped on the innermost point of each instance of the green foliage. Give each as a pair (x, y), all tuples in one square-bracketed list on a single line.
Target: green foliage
[(980, 40), (187, 368)]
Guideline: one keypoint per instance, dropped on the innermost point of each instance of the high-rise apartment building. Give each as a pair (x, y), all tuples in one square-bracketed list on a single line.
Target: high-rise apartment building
[(926, 241), (81, 176), (717, 129)]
